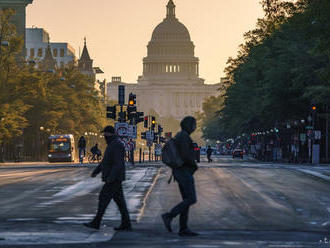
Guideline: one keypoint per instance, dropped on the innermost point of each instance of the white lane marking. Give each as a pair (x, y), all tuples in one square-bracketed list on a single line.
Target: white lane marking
[(326, 223), (314, 173), (53, 237), (79, 189), (144, 202), (23, 219)]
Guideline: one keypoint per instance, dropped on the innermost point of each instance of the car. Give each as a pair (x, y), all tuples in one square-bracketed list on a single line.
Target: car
[(197, 151), (238, 153)]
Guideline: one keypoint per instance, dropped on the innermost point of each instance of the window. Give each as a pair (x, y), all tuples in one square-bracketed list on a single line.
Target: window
[(62, 52), (40, 52), (55, 52), (32, 53)]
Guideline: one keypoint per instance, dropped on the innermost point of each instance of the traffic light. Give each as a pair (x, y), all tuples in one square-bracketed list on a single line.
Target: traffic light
[(131, 112), (314, 108), (160, 129), (122, 116), (155, 138), (168, 135), (146, 122), (111, 112), (153, 122), (131, 100), (144, 135), (139, 117)]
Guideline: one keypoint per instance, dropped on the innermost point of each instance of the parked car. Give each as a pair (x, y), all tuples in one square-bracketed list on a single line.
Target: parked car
[(238, 153), (197, 151)]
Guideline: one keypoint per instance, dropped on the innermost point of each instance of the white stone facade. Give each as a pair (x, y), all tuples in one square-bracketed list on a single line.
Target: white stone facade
[(36, 45), (170, 84)]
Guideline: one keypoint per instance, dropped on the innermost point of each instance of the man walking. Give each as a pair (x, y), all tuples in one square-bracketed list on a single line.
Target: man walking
[(209, 154), (82, 148), (184, 176), (113, 174)]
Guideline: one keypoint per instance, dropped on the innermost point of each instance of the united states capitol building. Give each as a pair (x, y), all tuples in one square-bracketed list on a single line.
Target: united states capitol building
[(170, 84)]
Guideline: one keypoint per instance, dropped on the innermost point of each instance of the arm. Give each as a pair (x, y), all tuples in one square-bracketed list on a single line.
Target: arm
[(105, 161), (185, 148)]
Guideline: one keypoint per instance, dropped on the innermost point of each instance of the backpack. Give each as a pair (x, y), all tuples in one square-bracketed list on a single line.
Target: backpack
[(171, 156)]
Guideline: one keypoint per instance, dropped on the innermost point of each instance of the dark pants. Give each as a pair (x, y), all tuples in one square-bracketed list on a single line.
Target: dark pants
[(112, 191), (209, 158), (188, 193)]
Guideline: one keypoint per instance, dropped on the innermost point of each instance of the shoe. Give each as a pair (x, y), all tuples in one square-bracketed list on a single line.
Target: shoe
[(188, 233), (92, 225), (126, 228), (167, 222)]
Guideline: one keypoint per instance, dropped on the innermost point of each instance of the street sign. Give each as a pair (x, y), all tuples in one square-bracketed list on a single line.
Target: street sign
[(150, 135), (132, 131), (302, 137), (158, 149), (317, 135), (121, 129)]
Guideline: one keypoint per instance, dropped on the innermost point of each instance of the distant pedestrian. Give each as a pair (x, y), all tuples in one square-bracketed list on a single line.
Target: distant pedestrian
[(184, 176), (82, 148), (209, 152), (113, 174)]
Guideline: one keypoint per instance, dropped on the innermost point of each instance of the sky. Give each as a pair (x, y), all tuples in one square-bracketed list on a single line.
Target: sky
[(118, 31)]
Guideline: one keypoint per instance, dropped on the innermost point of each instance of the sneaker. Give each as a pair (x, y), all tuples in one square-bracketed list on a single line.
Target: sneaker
[(92, 225), (126, 228), (167, 222), (188, 233)]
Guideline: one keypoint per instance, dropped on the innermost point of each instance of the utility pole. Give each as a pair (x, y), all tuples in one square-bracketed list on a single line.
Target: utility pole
[(326, 134)]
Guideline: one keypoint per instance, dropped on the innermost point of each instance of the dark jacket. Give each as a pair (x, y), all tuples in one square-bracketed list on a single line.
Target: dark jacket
[(113, 163), (82, 143), (185, 146), (209, 151)]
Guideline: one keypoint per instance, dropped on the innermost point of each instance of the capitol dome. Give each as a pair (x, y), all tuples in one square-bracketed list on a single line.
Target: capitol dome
[(170, 51), (171, 29)]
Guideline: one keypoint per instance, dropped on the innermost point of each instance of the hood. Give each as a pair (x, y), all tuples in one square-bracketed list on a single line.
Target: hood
[(188, 124)]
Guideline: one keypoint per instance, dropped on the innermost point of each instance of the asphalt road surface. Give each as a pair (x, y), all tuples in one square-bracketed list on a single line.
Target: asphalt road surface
[(240, 204)]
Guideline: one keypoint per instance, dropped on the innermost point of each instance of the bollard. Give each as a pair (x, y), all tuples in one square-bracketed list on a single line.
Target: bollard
[(140, 153)]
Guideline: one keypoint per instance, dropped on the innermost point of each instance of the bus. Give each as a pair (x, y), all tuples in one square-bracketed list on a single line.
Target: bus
[(61, 148)]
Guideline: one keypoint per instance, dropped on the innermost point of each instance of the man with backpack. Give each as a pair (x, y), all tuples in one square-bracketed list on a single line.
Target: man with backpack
[(183, 173)]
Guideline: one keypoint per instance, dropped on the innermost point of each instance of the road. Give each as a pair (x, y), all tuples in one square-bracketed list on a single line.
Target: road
[(240, 204)]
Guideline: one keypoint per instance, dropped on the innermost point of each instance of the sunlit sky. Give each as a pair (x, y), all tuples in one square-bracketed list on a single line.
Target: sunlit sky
[(118, 31)]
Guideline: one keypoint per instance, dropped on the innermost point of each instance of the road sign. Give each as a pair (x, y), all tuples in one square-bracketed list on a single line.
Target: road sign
[(132, 131), (158, 149), (121, 129), (317, 135), (150, 135), (149, 143)]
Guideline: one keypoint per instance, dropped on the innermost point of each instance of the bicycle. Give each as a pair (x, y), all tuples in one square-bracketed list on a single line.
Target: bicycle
[(94, 158)]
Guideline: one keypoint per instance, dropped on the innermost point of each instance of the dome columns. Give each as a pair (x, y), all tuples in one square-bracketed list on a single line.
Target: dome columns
[(190, 69)]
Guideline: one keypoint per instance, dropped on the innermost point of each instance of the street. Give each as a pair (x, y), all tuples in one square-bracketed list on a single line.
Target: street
[(240, 204)]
